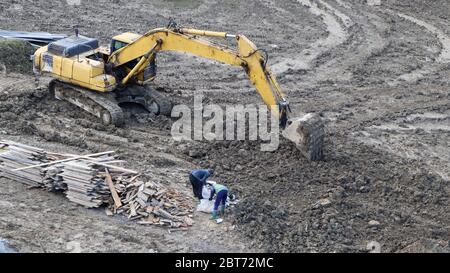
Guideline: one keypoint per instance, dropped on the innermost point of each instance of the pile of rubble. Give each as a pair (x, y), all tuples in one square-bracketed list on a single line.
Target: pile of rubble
[(91, 181), (150, 202)]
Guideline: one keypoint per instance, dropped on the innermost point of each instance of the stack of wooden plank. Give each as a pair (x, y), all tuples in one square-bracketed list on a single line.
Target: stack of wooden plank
[(52, 178), (67, 173), (92, 181), (85, 185), (151, 203), (15, 155)]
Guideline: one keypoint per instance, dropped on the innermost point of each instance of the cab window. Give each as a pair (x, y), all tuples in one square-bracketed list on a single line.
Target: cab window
[(116, 45)]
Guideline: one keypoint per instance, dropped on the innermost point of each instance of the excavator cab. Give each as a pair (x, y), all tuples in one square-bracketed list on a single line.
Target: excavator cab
[(122, 40)]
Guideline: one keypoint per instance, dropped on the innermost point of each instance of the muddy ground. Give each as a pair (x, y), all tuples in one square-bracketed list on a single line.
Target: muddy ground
[(379, 75)]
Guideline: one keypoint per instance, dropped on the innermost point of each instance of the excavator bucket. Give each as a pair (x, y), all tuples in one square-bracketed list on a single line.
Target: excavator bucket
[(307, 132)]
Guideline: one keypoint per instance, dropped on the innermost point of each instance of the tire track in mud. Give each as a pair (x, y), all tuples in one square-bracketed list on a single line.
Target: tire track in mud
[(336, 25), (418, 136), (343, 4), (6, 84), (203, 7), (285, 13), (360, 35), (443, 58), (11, 81), (365, 39)]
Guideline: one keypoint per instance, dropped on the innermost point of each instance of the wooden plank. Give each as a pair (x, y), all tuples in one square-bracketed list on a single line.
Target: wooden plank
[(164, 214), (133, 210), (109, 162), (141, 202), (114, 194), (12, 143), (149, 192), (142, 196), (64, 160), (132, 179), (108, 212), (115, 168), (84, 203)]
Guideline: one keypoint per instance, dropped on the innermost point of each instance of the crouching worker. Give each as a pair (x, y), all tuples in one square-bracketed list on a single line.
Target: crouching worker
[(221, 198), (198, 180)]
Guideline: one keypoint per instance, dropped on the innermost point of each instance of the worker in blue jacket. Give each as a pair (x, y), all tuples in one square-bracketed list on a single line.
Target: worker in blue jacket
[(198, 180), (221, 198)]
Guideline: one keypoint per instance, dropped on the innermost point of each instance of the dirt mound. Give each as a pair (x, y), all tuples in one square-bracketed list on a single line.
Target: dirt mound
[(15, 56), (355, 196)]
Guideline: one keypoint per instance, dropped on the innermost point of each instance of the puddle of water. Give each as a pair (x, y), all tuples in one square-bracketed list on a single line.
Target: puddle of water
[(424, 126), (429, 115), (5, 248), (185, 3), (429, 122)]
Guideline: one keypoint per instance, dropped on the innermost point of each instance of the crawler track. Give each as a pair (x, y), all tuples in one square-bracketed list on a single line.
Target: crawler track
[(103, 106)]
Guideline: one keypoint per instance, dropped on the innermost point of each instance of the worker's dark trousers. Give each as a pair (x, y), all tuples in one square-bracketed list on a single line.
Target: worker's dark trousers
[(221, 199), (197, 186)]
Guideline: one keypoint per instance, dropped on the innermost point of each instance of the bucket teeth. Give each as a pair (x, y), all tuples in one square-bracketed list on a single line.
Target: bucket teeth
[(307, 132)]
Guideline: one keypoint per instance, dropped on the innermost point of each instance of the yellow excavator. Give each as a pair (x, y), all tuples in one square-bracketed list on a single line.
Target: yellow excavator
[(99, 79)]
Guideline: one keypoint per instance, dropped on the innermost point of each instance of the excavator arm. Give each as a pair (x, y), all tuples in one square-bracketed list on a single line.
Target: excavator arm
[(188, 40), (307, 132)]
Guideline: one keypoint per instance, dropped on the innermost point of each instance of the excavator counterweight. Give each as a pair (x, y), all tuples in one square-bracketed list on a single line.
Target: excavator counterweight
[(98, 79)]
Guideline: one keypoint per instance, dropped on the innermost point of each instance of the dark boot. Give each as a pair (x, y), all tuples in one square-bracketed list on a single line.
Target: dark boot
[(214, 215)]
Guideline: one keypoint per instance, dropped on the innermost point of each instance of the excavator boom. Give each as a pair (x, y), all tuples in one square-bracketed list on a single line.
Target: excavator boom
[(186, 40)]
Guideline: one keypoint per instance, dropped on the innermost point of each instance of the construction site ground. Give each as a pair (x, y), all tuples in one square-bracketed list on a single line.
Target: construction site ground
[(379, 75)]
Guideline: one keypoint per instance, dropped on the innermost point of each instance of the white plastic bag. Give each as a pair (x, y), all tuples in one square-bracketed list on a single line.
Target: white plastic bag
[(205, 206), (206, 191)]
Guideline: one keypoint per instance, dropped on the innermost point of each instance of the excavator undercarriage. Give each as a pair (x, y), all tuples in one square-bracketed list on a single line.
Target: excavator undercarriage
[(106, 106)]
